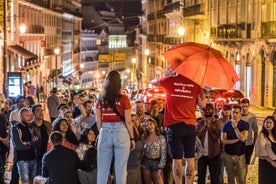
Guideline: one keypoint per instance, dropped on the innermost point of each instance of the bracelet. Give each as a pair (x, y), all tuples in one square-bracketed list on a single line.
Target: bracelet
[(132, 139)]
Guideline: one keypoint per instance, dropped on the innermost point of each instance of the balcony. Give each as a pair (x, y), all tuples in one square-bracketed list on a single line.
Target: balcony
[(268, 29), (232, 31), (151, 16), (45, 4), (48, 52), (177, 6), (35, 29), (160, 14), (195, 11), (156, 38), (172, 40)]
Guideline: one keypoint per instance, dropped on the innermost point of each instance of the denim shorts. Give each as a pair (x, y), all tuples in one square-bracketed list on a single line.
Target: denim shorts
[(181, 140), (150, 164), (26, 170)]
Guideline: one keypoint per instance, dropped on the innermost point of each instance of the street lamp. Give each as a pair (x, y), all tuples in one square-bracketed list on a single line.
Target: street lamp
[(181, 32), (56, 51), (147, 52), (133, 60), (22, 28)]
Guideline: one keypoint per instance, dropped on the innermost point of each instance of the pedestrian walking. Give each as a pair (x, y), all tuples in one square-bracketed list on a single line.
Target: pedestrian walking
[(52, 104)]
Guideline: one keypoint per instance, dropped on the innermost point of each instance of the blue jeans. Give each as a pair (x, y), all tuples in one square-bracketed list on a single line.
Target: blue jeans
[(113, 140), (26, 170)]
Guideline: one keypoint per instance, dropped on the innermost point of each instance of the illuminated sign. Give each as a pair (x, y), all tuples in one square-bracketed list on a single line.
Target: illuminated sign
[(108, 58), (104, 58), (14, 84), (119, 57)]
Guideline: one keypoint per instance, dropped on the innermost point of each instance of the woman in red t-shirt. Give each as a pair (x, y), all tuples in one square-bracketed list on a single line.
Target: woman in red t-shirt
[(113, 117)]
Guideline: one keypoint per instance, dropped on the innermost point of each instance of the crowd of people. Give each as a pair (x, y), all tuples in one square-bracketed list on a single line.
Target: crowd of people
[(105, 139)]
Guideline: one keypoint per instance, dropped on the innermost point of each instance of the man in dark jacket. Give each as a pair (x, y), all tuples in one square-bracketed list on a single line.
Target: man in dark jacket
[(4, 142), (208, 130), (42, 129), (60, 164), (25, 144)]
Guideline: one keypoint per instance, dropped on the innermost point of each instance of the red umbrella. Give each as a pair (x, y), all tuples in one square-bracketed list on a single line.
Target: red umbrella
[(202, 64)]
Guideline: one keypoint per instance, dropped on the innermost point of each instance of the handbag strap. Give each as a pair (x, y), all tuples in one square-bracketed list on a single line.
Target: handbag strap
[(119, 114)]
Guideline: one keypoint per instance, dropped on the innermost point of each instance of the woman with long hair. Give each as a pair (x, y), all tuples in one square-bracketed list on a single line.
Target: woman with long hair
[(134, 175), (155, 152), (138, 129), (69, 138), (265, 147), (113, 110), (87, 140)]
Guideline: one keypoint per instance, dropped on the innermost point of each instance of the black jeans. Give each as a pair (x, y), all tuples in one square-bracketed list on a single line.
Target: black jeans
[(267, 173), (14, 174), (3, 158), (214, 169)]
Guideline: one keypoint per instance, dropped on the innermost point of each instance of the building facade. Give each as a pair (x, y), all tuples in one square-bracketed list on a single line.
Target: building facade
[(34, 30), (244, 31)]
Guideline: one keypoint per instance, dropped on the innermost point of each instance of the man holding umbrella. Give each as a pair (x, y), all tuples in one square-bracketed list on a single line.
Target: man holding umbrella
[(182, 95), (195, 65)]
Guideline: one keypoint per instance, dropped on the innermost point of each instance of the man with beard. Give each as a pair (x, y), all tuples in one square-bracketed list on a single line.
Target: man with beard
[(86, 119), (208, 131), (25, 143), (251, 119), (13, 119), (140, 111), (42, 129)]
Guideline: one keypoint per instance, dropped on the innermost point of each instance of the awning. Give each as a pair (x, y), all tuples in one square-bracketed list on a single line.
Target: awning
[(27, 55)]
